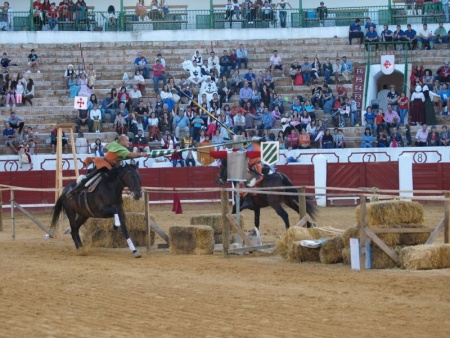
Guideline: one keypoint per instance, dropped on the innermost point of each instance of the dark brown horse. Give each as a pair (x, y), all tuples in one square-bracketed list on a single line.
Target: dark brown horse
[(104, 202), (275, 201)]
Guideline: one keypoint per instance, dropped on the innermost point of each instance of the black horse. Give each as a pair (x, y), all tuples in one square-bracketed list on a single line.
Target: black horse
[(104, 202), (264, 200)]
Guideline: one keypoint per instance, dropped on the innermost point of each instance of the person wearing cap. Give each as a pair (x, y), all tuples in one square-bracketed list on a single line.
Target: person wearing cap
[(69, 71), (418, 106), (354, 32)]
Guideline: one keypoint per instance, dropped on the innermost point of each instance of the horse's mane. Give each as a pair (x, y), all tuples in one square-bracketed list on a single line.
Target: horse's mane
[(114, 173)]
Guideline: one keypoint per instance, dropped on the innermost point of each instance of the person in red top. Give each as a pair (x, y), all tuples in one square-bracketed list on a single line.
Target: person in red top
[(37, 3), (53, 16), (158, 74)]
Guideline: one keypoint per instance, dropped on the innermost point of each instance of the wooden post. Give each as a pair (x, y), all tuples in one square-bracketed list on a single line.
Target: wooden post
[(13, 222), (225, 223), (446, 218), (147, 218), (1, 211), (362, 233), (301, 202)]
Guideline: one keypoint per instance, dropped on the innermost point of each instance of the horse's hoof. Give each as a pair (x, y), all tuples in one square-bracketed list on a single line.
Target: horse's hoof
[(136, 254)]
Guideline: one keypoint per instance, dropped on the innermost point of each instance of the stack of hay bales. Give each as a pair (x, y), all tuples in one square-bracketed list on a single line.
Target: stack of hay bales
[(100, 232), (192, 239), (425, 257), (288, 246), (388, 215), (215, 222)]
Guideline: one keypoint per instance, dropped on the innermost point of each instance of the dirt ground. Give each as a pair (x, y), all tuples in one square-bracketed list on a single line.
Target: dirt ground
[(47, 290)]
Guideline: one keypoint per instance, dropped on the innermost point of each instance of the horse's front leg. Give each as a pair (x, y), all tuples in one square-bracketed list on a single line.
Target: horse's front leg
[(283, 214), (123, 226)]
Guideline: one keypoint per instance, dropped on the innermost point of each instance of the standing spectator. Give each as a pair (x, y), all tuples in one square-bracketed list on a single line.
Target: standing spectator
[(6, 21), (316, 69), (225, 64), (158, 74), (74, 85), (142, 114), (33, 61), (445, 8), (276, 63), (242, 56), (418, 106), (392, 98), (433, 138), (422, 136), (208, 87), (403, 104), (353, 112), (346, 69), (153, 127), (141, 63), (322, 11), (96, 118), (355, 32), (16, 122), (367, 138), (183, 90), (336, 71), (283, 13)]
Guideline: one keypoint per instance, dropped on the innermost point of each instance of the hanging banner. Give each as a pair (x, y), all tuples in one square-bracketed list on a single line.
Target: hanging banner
[(387, 63)]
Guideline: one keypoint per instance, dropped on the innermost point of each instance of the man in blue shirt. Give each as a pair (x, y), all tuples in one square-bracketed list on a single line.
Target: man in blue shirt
[(180, 122), (250, 77), (369, 24), (411, 36), (242, 55), (355, 32), (399, 35), (306, 71), (371, 36), (386, 36)]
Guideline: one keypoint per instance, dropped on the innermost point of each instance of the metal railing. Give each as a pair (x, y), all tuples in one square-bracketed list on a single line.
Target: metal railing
[(219, 18)]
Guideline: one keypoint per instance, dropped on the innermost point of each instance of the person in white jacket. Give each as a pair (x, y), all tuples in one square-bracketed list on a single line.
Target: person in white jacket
[(195, 74), (208, 87), (96, 117)]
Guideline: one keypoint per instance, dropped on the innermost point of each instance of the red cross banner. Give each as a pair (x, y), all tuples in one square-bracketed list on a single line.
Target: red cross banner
[(387, 63), (80, 102)]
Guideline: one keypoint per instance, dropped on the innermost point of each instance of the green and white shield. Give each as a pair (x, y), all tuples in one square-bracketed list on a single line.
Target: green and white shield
[(270, 152)]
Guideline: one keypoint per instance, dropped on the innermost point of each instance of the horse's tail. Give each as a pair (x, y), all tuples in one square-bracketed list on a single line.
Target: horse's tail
[(311, 209), (57, 209)]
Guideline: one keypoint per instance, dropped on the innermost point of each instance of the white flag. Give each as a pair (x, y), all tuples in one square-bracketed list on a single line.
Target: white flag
[(387, 63), (80, 102)]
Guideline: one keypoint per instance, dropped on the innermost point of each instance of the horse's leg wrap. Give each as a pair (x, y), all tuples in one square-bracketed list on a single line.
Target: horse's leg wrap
[(131, 245), (116, 220)]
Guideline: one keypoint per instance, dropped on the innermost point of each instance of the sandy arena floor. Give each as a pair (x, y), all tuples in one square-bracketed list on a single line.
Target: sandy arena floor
[(47, 290)]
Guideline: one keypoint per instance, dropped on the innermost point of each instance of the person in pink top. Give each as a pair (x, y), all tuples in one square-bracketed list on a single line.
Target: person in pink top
[(391, 119), (158, 74)]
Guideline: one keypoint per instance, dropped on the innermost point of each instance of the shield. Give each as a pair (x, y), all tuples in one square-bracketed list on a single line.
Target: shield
[(387, 63), (80, 102), (270, 152)]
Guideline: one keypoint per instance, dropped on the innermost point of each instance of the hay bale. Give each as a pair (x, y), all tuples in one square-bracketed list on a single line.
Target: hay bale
[(100, 232), (193, 239), (331, 251), (352, 232), (379, 259), (385, 213), (298, 253), (215, 222), (389, 239), (296, 234), (413, 238), (132, 205), (346, 256), (425, 257)]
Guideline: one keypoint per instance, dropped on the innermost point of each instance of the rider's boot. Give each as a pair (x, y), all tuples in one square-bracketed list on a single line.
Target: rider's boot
[(81, 183)]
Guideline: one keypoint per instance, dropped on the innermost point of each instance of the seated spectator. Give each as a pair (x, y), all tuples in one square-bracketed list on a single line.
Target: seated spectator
[(304, 140), (74, 85), (250, 77), (54, 140), (124, 98), (305, 119), (346, 69), (440, 34), (214, 62), (16, 122), (337, 71), (52, 16), (379, 120), (425, 38), (83, 119), (197, 57), (69, 71), (239, 123), (97, 148), (110, 105), (140, 142), (120, 124), (382, 141), (195, 74), (369, 119), (327, 70), (177, 157), (290, 155), (367, 138), (28, 137), (9, 135), (296, 74), (267, 120), (183, 90), (225, 64), (245, 94), (33, 61), (84, 88), (387, 36), (444, 136), (132, 123), (433, 138), (399, 35), (190, 161), (96, 118), (242, 56), (327, 140), (167, 97), (292, 139), (276, 63), (153, 127), (306, 71), (139, 81), (208, 87), (391, 119), (396, 139), (355, 32), (371, 37), (369, 24), (443, 73), (141, 64), (158, 75), (422, 136), (339, 139), (411, 37)]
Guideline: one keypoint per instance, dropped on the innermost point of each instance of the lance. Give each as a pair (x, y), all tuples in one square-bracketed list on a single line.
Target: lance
[(207, 112)]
